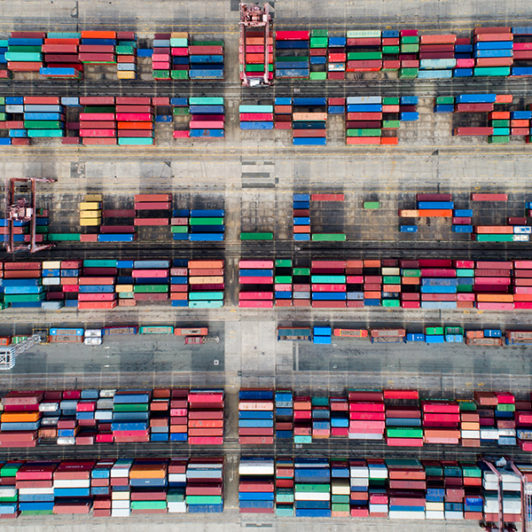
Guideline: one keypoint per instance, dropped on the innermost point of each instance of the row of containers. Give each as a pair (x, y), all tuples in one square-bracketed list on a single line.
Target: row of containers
[(387, 488), (368, 119), (392, 283), (123, 120), (105, 284), (439, 334), (111, 487), (150, 210), (285, 486), (88, 417), (66, 55), (437, 206), (408, 53), (396, 418), (107, 120), (392, 417)]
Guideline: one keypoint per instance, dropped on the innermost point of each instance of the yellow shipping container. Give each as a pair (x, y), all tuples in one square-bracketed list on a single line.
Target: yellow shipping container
[(93, 197), (89, 205), (93, 222), (126, 74), (51, 264), (90, 214), (123, 288)]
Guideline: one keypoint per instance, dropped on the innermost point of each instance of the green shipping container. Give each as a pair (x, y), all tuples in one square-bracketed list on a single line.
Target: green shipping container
[(206, 43), (391, 303), (391, 124), (148, 505), (409, 48), (363, 56), (64, 237), (47, 133), (179, 42), (391, 279), (23, 298), (366, 132), (390, 50), (283, 279), (502, 139), (318, 76), (397, 432), (179, 74), (373, 205), (390, 100), (283, 263), (181, 111), (408, 73), (206, 100), (494, 238), (301, 271), (206, 221), (125, 49), (319, 42), (204, 499), (410, 39), (150, 288), (131, 407), (500, 123), (100, 263), (313, 488), (179, 229), (22, 48), (205, 296), (491, 71), (445, 100), (328, 237), (258, 68), (43, 124), (319, 33), (256, 236), (434, 330), (161, 74), (465, 272)]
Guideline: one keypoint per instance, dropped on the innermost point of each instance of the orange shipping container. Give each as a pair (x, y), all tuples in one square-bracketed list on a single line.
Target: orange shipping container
[(410, 280), (135, 125), (20, 417), (494, 229), (5, 340), (205, 264), (436, 213), (495, 298), (88, 34), (310, 116), (372, 263), (205, 280)]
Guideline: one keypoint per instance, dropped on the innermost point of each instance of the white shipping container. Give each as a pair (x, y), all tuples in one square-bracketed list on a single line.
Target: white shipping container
[(360, 482), (120, 512), (48, 407), (107, 393), (340, 489), (72, 483), (311, 496), (365, 436), (177, 477), (104, 404), (63, 440), (36, 491), (391, 271), (120, 496), (435, 506), (51, 264), (454, 515), (471, 434), (51, 281), (398, 514), (103, 415), (177, 507), (433, 514), (253, 405), (378, 508), (49, 421), (248, 469), (489, 434), (359, 471), (7, 491)]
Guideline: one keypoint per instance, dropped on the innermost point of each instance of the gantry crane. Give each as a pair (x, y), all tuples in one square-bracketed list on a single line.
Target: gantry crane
[(21, 207)]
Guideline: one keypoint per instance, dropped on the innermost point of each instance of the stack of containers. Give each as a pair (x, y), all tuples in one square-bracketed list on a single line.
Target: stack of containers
[(302, 419), (178, 416), (321, 418), (206, 283), (205, 485), (252, 53), (71, 485), (24, 51), (292, 54), (522, 50), (469, 424), (366, 415), (309, 121), (390, 50), (207, 116), (407, 479), (97, 285), (364, 120), (43, 117), (179, 224), (205, 417), (372, 287), (160, 59), (50, 278), (256, 283), (284, 415), (403, 418), (179, 283), (33, 500), (441, 422), (120, 488), (155, 208), (134, 117), (409, 54), (328, 237), (20, 419), (179, 55), (90, 212), (283, 282), (206, 60), (97, 120), (130, 416), (177, 482), (180, 112), (522, 285), (364, 51), (339, 417), (284, 487), (255, 417), (117, 225), (159, 414), (22, 288), (355, 283), (492, 283), (100, 488), (378, 497), (256, 117), (318, 54), (301, 217), (256, 487), (493, 49), (322, 335), (336, 106), (359, 488), (312, 488), (151, 278), (148, 481), (505, 418), (61, 57), (282, 113), (97, 47), (125, 55), (437, 57), (206, 225), (487, 402), (340, 489), (328, 284)]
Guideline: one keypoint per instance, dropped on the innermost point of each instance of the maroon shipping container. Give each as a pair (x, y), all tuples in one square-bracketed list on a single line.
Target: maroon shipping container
[(205, 50), (119, 213), (433, 197), (473, 107)]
